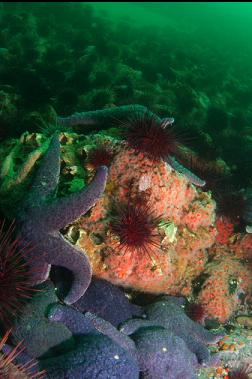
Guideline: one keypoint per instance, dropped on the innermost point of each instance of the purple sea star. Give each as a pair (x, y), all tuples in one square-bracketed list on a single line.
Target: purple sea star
[(38, 334), (101, 351), (42, 216), (159, 352), (108, 302), (169, 314), (95, 357), (166, 343), (79, 323), (101, 118)]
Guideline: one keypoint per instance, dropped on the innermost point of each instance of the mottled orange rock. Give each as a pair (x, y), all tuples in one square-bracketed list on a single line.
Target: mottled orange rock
[(180, 255), (229, 272), (228, 279), (225, 230)]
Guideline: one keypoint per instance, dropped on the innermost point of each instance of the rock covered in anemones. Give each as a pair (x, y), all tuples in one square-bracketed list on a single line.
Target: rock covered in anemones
[(228, 277), (177, 217)]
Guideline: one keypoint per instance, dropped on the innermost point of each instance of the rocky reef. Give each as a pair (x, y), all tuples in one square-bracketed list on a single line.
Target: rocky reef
[(132, 246), (183, 249)]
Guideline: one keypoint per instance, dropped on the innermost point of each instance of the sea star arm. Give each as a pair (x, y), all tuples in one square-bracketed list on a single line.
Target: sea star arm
[(61, 253), (74, 320), (41, 219), (62, 212), (102, 117), (192, 178), (47, 176), (79, 323), (132, 325), (110, 331), (171, 316)]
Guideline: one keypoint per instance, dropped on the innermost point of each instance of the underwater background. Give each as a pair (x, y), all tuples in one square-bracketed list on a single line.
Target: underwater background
[(126, 190)]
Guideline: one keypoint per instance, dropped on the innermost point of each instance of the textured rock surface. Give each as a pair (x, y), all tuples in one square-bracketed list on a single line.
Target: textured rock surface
[(173, 265)]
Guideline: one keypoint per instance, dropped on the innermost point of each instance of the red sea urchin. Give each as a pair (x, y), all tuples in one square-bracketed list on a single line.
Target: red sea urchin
[(146, 134), (14, 275), (100, 156), (136, 227), (231, 204), (242, 372), (10, 370), (196, 312)]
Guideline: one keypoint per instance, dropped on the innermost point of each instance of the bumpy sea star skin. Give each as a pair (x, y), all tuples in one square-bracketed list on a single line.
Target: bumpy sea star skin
[(168, 314), (161, 354), (101, 297), (95, 357), (75, 321), (157, 345), (41, 218), (166, 343), (38, 334), (79, 323)]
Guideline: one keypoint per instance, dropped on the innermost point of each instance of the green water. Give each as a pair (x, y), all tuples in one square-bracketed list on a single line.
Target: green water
[(190, 62), (229, 22)]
